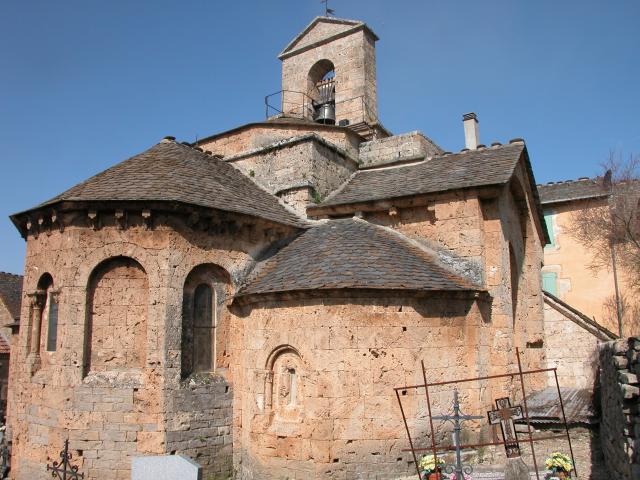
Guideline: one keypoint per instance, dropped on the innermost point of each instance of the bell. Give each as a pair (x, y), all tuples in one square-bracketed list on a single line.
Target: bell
[(326, 113)]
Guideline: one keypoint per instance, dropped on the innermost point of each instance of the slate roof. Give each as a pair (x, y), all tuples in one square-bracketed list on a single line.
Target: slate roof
[(544, 406), (482, 167), (353, 253), (11, 293), (583, 188), (173, 172)]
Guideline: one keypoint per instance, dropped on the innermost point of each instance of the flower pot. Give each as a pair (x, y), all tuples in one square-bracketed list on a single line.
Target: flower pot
[(562, 474), (434, 476)]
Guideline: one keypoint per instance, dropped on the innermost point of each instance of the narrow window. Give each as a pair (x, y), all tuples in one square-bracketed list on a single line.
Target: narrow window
[(515, 280), (203, 328), (52, 330), (39, 307), (293, 386)]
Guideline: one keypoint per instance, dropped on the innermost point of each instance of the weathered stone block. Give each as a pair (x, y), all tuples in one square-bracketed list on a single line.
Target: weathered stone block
[(626, 377), (629, 392)]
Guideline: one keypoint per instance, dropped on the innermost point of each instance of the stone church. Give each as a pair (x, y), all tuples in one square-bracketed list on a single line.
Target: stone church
[(251, 300)]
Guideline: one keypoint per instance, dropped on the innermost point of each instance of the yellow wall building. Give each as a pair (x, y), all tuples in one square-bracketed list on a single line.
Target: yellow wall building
[(568, 272)]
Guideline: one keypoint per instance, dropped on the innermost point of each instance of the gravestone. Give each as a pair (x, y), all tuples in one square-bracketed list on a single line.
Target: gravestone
[(165, 467)]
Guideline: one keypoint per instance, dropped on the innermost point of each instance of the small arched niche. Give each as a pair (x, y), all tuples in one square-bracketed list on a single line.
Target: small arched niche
[(117, 307), (284, 389), (204, 294)]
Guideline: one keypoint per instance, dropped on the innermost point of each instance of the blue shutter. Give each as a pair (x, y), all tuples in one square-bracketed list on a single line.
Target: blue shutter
[(550, 282), (548, 220)]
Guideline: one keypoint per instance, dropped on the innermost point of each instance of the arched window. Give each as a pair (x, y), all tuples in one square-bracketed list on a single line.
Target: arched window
[(44, 313), (204, 322), (203, 290), (321, 87), (52, 324)]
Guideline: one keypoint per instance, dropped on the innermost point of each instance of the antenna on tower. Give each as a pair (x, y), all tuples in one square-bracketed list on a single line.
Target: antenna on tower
[(327, 11)]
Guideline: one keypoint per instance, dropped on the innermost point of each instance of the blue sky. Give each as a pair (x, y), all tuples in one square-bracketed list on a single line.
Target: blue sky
[(85, 84)]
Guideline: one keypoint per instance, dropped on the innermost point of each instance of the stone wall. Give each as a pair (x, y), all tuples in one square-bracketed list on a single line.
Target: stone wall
[(139, 407), (479, 232), (398, 148), (305, 161), (259, 135), (201, 424), (345, 356), (620, 402), (577, 367)]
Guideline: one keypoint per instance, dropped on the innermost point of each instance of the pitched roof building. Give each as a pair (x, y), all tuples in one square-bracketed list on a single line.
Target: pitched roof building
[(251, 300)]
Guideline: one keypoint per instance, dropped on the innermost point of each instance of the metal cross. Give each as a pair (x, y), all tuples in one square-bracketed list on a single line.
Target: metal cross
[(457, 417), (64, 470), (505, 414), (327, 11)]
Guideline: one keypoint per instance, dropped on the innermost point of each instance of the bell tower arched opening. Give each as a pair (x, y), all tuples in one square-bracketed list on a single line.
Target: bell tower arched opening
[(321, 88)]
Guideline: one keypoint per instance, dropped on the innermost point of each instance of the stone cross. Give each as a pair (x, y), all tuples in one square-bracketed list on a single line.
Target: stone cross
[(505, 414)]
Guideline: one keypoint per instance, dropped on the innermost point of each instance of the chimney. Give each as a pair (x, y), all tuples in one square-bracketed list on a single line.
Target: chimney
[(471, 134)]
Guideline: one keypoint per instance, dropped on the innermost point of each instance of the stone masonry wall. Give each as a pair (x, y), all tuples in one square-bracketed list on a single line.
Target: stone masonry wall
[(344, 357), (620, 402), (308, 162), (398, 148), (110, 416), (259, 135), (479, 232), (577, 367), (201, 426)]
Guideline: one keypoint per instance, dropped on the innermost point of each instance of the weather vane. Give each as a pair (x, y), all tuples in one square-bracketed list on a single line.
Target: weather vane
[(327, 11)]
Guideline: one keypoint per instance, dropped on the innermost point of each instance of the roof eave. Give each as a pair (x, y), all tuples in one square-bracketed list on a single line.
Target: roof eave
[(247, 298), (19, 218), (574, 199), (404, 201), (542, 226)]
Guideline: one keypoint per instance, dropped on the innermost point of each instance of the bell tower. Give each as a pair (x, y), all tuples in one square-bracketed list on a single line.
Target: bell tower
[(329, 74)]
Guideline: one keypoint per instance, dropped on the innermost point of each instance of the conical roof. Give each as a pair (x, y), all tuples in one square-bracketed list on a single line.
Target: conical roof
[(174, 172)]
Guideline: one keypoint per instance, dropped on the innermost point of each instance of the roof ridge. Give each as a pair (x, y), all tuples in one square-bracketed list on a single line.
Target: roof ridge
[(579, 179), (340, 188), (210, 156), (475, 168)]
